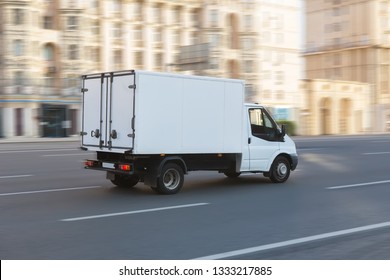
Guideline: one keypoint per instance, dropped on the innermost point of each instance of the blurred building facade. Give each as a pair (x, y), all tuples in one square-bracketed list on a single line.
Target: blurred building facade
[(349, 40), (45, 45), (334, 107)]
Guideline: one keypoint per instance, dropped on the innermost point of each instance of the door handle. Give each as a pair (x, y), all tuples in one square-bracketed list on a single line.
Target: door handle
[(95, 133), (249, 140)]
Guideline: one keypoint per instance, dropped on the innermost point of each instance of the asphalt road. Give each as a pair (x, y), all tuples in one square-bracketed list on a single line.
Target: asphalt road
[(334, 206)]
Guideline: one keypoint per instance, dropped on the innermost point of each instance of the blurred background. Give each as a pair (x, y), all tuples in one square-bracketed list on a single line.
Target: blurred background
[(321, 66)]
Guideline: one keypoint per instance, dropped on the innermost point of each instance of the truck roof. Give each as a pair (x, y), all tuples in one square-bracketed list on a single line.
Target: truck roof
[(253, 105)]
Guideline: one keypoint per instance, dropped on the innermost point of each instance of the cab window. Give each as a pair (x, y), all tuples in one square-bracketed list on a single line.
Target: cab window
[(261, 124)]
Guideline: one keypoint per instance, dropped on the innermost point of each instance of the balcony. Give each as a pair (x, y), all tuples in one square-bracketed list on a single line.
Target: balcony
[(40, 87)]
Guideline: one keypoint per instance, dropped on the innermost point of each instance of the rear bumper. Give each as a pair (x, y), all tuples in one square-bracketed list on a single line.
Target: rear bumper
[(108, 166)]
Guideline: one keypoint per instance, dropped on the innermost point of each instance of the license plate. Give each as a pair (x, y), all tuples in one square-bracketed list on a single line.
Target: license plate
[(108, 165)]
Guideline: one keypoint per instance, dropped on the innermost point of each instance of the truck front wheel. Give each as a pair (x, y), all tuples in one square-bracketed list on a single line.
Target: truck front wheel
[(280, 170), (171, 179)]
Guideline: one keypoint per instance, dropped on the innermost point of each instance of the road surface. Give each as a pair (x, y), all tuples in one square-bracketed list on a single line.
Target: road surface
[(334, 206)]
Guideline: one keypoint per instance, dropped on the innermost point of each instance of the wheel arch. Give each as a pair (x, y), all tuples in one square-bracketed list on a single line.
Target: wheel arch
[(174, 159), (286, 155)]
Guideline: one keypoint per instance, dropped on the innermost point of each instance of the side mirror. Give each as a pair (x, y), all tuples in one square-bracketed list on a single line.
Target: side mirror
[(283, 132)]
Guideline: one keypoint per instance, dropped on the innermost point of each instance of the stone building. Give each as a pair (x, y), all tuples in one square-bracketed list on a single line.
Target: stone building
[(334, 107), (45, 45), (349, 40)]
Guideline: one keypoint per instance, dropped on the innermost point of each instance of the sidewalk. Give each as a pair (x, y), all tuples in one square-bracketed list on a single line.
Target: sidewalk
[(24, 139)]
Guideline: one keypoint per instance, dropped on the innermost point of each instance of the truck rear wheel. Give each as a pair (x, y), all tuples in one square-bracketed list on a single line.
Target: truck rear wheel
[(125, 181), (280, 170), (171, 179)]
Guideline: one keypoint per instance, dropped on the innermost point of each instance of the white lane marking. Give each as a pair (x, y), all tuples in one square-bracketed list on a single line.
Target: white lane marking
[(46, 191), (133, 212), (33, 151), (377, 153), (358, 185), (261, 248), (64, 155), (16, 176)]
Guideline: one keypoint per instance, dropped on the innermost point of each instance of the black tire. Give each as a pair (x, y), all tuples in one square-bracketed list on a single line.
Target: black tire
[(125, 181), (232, 174), (171, 179), (280, 170)]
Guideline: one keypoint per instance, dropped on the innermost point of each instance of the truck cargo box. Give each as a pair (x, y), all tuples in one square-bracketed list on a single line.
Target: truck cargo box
[(141, 112)]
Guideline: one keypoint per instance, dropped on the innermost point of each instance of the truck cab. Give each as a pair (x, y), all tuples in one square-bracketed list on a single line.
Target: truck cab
[(266, 146)]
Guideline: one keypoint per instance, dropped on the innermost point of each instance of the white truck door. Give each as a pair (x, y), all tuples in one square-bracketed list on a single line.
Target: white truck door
[(108, 110), (94, 100), (262, 144), (121, 111)]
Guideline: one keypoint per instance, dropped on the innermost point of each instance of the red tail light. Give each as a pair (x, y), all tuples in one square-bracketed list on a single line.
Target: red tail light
[(124, 167), (90, 163)]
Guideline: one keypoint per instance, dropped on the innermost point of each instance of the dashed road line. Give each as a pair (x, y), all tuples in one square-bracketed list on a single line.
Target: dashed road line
[(358, 185), (49, 190), (133, 212), (297, 241), (16, 176), (376, 153)]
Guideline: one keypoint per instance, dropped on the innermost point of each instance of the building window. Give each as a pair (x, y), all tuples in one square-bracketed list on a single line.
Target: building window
[(116, 6), (138, 36), (337, 59), (279, 77), (194, 38), (72, 23), (280, 94), (214, 17), (118, 59), (95, 29), (176, 37), (214, 63), (248, 66), (138, 10), (248, 21), (177, 15), (117, 30), (48, 53), (73, 53), (48, 22), (139, 58), (247, 44), (279, 38), (18, 48), (157, 37), (158, 60), (18, 17), (19, 78), (157, 13)]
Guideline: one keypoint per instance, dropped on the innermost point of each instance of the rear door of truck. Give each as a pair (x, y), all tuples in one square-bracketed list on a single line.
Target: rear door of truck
[(108, 111)]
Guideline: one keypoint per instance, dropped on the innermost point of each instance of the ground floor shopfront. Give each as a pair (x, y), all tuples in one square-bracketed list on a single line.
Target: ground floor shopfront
[(39, 118)]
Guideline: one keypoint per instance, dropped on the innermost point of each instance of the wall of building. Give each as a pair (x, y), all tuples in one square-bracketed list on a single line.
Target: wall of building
[(49, 44), (335, 107), (349, 40)]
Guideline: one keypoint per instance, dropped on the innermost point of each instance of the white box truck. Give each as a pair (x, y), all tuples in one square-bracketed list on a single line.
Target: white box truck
[(155, 127)]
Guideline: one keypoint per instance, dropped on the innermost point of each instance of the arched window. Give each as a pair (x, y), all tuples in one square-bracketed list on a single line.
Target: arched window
[(48, 52)]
